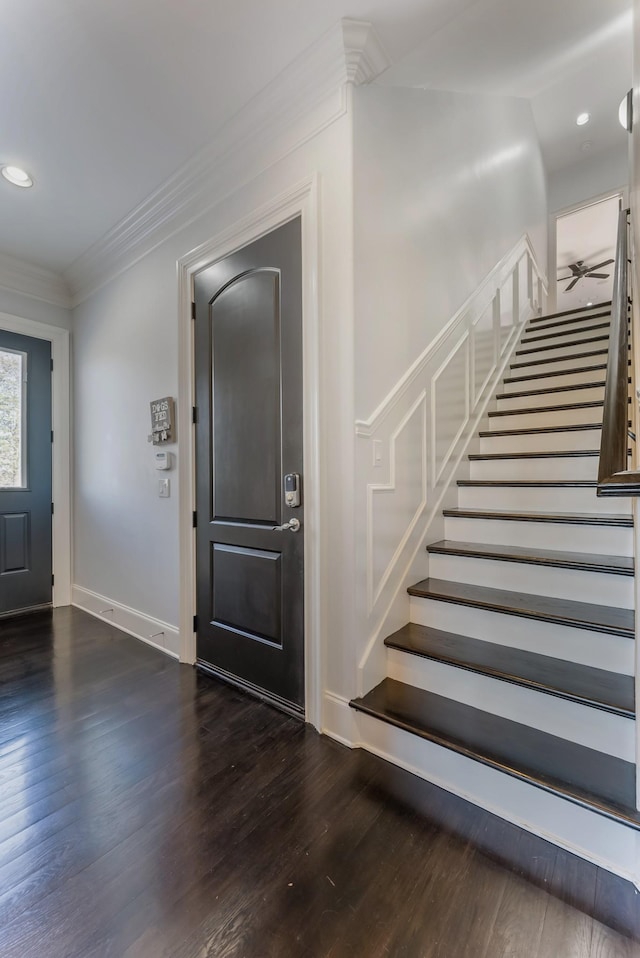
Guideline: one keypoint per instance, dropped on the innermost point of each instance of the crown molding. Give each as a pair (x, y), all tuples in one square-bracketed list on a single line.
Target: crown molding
[(301, 101), (365, 56), (27, 279)]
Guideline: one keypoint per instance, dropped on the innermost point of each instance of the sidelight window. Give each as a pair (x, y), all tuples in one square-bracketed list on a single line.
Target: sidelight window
[(13, 384)]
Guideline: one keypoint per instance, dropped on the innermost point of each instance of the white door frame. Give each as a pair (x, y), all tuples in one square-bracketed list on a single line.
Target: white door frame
[(60, 340), (300, 200)]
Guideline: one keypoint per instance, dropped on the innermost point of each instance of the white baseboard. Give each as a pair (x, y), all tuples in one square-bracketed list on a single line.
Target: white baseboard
[(339, 721), (152, 631)]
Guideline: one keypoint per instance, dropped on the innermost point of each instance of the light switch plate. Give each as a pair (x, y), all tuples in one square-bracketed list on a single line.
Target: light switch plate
[(164, 488)]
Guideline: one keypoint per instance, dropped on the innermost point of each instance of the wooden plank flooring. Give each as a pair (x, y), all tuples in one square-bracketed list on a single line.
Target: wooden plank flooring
[(147, 811)]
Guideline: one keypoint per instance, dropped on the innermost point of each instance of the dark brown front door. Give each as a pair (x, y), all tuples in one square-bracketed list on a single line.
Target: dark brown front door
[(248, 368)]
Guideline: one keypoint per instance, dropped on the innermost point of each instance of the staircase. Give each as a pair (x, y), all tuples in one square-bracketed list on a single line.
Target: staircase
[(519, 656)]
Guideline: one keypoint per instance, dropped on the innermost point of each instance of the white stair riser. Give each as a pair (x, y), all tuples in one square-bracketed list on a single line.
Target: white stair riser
[(576, 585), (543, 441), (598, 839), (549, 382), (569, 467), (603, 540), (536, 326), (601, 650), (534, 350), (555, 398), (557, 337), (546, 418), (540, 499), (523, 365), (592, 727)]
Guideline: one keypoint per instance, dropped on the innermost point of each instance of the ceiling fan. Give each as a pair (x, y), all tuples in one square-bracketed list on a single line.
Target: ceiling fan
[(580, 271)]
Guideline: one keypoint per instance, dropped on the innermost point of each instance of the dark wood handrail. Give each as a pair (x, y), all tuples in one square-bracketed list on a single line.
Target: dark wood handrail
[(614, 476)]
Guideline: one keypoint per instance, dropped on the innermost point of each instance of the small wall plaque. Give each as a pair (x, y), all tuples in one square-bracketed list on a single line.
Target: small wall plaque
[(163, 420)]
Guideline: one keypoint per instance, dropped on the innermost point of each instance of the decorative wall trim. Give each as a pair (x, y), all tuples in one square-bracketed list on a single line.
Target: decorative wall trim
[(304, 99), (60, 340), (19, 276), (374, 490), (301, 199), (451, 422), (137, 624)]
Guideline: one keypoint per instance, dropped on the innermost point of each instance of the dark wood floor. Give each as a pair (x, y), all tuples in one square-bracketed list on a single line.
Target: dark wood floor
[(148, 811)]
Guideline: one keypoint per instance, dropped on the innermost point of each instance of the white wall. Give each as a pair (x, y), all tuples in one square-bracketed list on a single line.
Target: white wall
[(592, 176), (27, 307), (126, 354), (445, 185)]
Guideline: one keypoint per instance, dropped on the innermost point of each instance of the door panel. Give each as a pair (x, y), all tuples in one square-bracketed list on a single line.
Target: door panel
[(25, 472), (248, 364)]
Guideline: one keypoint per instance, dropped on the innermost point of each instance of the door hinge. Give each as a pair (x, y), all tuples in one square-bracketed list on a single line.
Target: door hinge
[(52, 365), (195, 623), (194, 519), (194, 414), (52, 435), (193, 310), (51, 508), (52, 578)]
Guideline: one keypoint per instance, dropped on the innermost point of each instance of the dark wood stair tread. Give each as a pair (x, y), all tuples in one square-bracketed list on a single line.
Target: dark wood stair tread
[(536, 430), (576, 342), (559, 359), (535, 325), (581, 615), (561, 407), (594, 780), (583, 684), (554, 372), (541, 335), (554, 558), (571, 518), (570, 312), (549, 454), (547, 390), (531, 483)]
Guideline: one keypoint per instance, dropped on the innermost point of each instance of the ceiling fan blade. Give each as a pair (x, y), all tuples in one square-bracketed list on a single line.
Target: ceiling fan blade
[(565, 279), (607, 262), (598, 275), (572, 284)]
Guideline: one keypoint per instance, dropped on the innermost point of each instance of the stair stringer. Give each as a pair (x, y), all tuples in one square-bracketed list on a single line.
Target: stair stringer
[(494, 316), (610, 844)]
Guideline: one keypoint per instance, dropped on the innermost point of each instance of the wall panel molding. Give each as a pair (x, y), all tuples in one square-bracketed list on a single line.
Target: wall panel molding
[(441, 385)]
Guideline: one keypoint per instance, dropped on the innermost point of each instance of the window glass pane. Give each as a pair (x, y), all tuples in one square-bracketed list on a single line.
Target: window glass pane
[(13, 370)]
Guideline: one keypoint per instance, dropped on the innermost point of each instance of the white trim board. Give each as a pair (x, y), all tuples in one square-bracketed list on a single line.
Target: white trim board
[(27, 279), (161, 635), (300, 200), (60, 340)]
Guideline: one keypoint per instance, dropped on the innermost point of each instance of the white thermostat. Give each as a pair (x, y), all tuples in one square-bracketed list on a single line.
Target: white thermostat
[(163, 460)]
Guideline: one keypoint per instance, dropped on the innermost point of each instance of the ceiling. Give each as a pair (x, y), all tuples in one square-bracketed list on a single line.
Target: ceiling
[(103, 100)]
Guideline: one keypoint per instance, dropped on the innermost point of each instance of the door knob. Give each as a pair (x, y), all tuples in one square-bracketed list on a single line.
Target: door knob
[(292, 525)]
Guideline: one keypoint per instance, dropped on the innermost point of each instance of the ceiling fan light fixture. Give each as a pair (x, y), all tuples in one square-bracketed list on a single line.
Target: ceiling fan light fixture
[(17, 176), (582, 118)]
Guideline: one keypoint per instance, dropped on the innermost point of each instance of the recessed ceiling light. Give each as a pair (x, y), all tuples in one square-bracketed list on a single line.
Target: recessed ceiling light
[(16, 176), (589, 304), (583, 118)]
